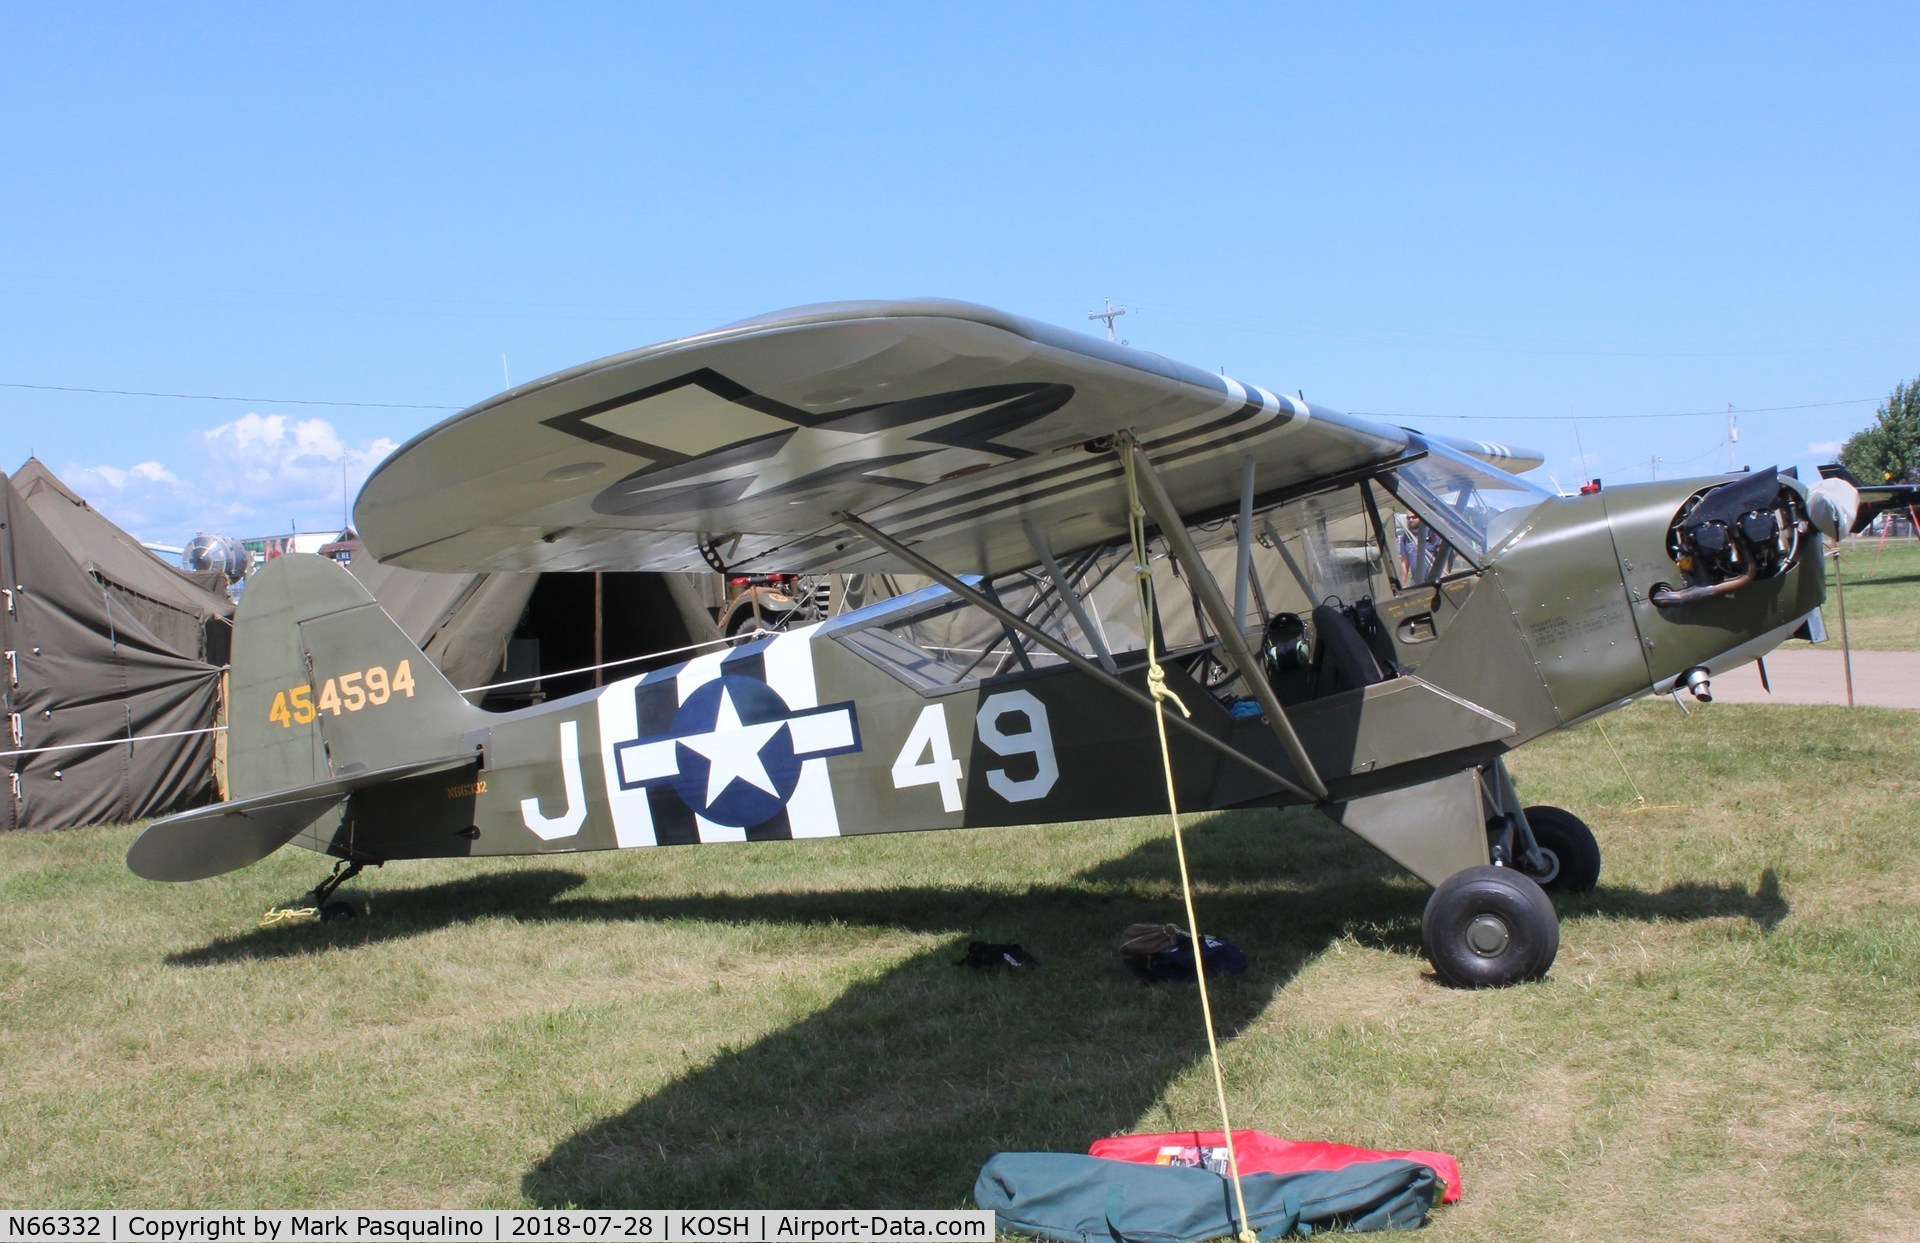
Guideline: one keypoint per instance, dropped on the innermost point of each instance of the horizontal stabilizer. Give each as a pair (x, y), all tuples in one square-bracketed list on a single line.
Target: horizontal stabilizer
[(1510, 458), (211, 841)]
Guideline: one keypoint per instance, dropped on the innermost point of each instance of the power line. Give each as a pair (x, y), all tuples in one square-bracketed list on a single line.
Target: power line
[(1365, 414), (1568, 418), (259, 401)]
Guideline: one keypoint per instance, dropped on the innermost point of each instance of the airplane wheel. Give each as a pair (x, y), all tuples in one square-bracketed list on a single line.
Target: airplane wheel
[(337, 910), (1488, 927), (1576, 855)]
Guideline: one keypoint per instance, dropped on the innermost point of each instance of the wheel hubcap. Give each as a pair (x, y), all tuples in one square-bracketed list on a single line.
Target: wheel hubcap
[(1487, 935), (1549, 867)]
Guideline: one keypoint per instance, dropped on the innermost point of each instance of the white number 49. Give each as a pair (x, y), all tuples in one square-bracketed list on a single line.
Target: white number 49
[(926, 758)]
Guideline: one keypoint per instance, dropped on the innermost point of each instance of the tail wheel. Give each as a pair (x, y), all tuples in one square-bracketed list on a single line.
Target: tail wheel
[(1575, 863), (1488, 927)]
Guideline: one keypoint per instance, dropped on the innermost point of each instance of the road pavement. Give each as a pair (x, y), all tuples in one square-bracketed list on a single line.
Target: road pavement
[(1818, 676)]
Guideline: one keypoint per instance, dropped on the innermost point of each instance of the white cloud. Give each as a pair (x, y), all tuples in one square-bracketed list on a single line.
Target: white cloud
[(1826, 448), (257, 475), (141, 473)]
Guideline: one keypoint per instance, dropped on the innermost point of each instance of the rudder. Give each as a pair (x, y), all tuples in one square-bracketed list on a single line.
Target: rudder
[(326, 685)]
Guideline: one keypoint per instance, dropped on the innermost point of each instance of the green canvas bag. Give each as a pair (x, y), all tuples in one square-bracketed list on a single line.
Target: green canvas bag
[(1077, 1199)]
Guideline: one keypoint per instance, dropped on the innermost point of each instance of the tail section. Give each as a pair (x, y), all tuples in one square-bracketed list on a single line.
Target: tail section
[(328, 696), (325, 685)]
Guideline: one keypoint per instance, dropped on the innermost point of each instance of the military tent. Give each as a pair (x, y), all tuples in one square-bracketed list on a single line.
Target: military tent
[(484, 628), (102, 641)]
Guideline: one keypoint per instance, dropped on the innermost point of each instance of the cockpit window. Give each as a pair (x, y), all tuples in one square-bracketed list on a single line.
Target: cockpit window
[(1475, 506), (935, 640)]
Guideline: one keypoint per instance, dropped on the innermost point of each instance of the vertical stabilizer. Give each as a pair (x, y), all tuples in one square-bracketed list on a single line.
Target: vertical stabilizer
[(326, 685)]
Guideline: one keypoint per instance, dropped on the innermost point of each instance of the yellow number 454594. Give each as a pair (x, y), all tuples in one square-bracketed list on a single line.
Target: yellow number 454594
[(349, 692)]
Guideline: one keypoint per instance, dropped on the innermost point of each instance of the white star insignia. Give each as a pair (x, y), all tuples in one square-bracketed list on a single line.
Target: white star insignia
[(732, 750)]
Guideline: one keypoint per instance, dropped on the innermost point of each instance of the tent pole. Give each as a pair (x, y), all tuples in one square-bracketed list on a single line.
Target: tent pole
[(599, 626)]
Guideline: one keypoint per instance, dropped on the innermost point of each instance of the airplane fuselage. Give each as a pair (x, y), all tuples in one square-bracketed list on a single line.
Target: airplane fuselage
[(807, 734)]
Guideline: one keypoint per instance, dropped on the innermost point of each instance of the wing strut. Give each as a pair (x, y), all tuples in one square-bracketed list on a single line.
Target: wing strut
[(1008, 618), (1087, 627), (1233, 641)]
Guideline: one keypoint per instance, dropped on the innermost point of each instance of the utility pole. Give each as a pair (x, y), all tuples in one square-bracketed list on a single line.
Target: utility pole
[(1110, 314), (1733, 437)]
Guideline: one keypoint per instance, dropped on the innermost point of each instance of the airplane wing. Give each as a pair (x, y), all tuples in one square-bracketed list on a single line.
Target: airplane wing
[(1874, 498), (947, 425)]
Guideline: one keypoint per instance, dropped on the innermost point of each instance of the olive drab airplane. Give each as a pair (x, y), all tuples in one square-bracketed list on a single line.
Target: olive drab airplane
[(1354, 616)]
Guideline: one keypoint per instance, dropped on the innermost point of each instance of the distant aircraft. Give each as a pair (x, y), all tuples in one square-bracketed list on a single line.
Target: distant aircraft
[(1007, 460), (1874, 498)]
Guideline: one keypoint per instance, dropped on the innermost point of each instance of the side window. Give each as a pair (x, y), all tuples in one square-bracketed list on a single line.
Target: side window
[(1420, 554)]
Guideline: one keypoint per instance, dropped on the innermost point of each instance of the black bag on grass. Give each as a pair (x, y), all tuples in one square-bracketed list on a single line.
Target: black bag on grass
[(1076, 1199), (1157, 952)]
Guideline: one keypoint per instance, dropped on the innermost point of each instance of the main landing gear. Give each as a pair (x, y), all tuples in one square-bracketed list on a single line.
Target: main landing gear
[(1566, 857), (1490, 926), (1487, 927), (1492, 864)]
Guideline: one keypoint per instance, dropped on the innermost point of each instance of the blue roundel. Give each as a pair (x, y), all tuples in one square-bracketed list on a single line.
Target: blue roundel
[(745, 756)]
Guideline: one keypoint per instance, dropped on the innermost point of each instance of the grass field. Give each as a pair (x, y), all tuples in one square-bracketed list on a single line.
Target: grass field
[(1882, 583), (1726, 1049)]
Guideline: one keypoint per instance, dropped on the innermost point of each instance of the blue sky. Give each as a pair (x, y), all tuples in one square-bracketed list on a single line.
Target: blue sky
[(1483, 220)]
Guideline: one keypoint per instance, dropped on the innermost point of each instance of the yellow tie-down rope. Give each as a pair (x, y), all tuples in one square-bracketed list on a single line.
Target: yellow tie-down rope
[(1157, 684)]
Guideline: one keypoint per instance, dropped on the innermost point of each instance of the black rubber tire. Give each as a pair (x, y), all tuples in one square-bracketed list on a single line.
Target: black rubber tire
[(337, 910), (1488, 927), (1573, 846)]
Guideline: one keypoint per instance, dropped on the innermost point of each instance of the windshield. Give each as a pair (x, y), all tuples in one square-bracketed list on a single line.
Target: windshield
[(1477, 505)]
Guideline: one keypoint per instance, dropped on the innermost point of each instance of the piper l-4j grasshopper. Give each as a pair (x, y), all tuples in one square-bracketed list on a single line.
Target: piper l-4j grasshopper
[(1355, 616)]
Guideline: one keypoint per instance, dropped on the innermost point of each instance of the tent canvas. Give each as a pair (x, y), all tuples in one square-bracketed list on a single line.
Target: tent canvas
[(82, 627), (465, 623), (183, 613)]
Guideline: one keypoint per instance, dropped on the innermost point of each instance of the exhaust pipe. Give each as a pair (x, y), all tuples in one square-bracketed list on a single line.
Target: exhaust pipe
[(1665, 597), (1698, 685)]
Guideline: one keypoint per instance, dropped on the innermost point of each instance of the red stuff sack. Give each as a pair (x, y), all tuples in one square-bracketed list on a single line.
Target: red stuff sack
[(1261, 1153)]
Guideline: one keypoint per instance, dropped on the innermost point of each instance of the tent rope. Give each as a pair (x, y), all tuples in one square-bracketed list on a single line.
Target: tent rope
[(1162, 694), (743, 637), (113, 742), (220, 729), (1639, 802)]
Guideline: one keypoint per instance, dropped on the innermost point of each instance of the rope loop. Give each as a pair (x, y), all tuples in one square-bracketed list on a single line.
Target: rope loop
[(1157, 684)]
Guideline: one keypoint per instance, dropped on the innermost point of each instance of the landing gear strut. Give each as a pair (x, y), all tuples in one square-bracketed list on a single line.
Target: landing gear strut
[(343, 871), (1489, 923)]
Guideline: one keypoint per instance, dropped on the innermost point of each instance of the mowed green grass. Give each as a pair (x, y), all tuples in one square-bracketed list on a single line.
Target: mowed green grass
[(1882, 586), (1728, 1047)]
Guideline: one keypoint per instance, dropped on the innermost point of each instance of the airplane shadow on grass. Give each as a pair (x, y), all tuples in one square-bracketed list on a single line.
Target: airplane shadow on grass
[(1867, 580), (893, 1094)]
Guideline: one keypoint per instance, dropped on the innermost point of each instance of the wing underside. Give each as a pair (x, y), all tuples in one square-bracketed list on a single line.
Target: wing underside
[(952, 427)]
